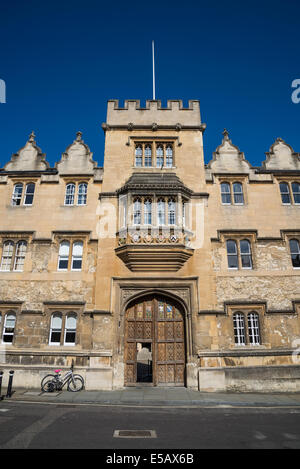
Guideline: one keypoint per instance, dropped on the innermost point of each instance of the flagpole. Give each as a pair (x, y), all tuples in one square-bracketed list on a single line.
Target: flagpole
[(153, 69)]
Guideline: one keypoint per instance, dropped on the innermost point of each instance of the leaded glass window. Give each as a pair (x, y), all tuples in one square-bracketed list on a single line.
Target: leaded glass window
[(169, 156), (225, 193), (296, 192), (161, 212), (295, 253), (17, 194), (137, 212), (159, 156), (20, 256), (70, 329), (253, 328), (63, 257), (232, 254), (285, 193), (70, 194), (82, 194), (147, 212), (77, 250), (9, 328), (239, 329), (238, 195), (7, 256), (55, 329), (245, 251), (29, 194), (171, 212), (148, 155)]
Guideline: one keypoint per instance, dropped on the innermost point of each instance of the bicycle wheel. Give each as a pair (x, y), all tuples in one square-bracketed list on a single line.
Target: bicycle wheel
[(75, 383), (48, 383)]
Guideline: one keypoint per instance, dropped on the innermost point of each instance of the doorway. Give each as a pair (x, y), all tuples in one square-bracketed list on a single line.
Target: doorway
[(154, 343)]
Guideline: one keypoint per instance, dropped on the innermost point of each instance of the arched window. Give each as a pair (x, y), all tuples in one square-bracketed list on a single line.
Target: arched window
[(77, 255), (159, 156), (169, 156), (29, 193), (17, 194), (138, 156), (147, 212), (285, 193), (148, 155), (20, 256), (70, 194), (171, 212), (239, 329), (296, 192), (55, 329), (295, 253), (70, 329), (253, 328), (82, 194), (238, 195), (232, 254), (9, 328), (7, 256), (161, 212), (245, 251), (137, 212), (63, 256), (225, 193)]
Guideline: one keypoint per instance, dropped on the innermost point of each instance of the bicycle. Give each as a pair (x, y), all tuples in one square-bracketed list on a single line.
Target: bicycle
[(51, 383)]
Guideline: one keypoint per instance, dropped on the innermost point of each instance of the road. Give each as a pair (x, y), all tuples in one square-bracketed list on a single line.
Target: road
[(41, 426)]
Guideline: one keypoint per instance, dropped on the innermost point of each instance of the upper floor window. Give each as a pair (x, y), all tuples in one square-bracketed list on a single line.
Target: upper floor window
[(239, 254), (159, 156), (171, 212), (246, 329), (295, 253), (148, 155), (13, 256), (147, 152), (70, 255), (17, 197), (169, 156), (82, 194), (137, 216), (139, 155), (232, 193), (148, 211), (71, 192), (290, 192), (161, 212)]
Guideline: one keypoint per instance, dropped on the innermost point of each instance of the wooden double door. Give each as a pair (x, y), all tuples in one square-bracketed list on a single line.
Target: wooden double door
[(154, 343)]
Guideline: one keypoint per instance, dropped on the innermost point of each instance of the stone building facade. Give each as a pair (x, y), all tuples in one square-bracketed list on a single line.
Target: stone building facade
[(154, 269)]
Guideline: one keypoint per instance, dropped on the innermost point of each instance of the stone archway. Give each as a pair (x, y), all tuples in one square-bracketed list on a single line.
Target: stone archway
[(155, 349)]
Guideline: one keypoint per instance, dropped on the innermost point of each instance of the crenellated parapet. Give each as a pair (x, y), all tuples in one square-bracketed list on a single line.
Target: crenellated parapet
[(153, 115)]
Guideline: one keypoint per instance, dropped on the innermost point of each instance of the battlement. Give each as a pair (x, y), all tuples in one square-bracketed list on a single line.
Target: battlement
[(153, 113)]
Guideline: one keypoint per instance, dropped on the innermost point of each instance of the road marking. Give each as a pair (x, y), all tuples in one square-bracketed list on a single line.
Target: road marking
[(259, 436), (4, 410), (23, 439)]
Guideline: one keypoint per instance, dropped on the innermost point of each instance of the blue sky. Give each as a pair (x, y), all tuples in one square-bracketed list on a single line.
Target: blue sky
[(62, 60)]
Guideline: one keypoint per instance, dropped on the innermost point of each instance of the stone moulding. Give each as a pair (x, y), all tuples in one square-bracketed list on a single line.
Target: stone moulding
[(140, 258), (241, 303)]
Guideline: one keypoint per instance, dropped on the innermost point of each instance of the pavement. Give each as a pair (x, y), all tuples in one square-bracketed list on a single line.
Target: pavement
[(151, 396)]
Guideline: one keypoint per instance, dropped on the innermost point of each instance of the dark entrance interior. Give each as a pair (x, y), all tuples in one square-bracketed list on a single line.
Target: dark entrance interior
[(154, 343), (144, 362)]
